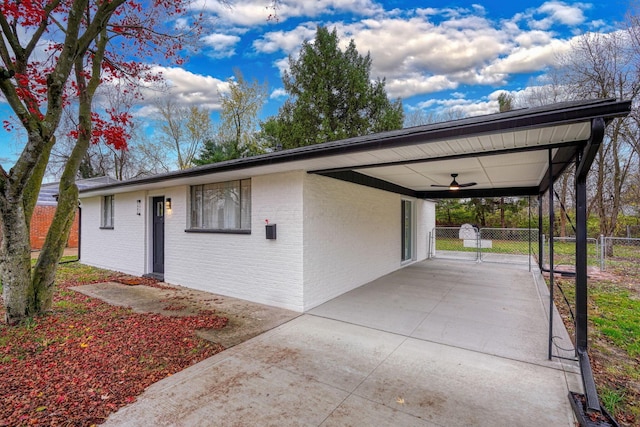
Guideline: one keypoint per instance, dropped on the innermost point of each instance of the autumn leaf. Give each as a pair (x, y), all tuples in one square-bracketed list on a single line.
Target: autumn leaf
[(124, 359)]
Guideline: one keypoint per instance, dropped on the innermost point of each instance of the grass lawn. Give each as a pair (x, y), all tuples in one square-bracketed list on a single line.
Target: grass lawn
[(563, 252), (614, 341), (86, 359)]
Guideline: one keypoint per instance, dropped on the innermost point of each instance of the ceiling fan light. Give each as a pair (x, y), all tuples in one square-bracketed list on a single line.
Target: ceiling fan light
[(454, 184)]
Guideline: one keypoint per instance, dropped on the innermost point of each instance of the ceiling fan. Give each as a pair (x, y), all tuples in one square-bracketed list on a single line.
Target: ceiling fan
[(454, 184)]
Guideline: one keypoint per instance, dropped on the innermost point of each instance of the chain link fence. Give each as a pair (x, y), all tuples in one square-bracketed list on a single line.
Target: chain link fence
[(620, 255), (520, 245), (448, 244), (564, 252), (510, 245)]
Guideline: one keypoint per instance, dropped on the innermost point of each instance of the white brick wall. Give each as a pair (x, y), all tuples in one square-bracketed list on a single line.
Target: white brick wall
[(244, 266), (121, 249), (351, 236), (426, 221)]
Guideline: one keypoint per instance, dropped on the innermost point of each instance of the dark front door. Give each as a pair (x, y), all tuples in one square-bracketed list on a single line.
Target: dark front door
[(158, 235)]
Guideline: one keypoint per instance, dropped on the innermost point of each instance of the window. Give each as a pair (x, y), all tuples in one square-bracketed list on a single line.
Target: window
[(107, 212), (223, 206)]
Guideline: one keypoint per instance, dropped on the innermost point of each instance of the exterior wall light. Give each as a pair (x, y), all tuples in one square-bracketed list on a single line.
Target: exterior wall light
[(138, 204), (167, 204)]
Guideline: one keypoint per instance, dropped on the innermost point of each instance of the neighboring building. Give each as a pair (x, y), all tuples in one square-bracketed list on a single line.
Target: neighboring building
[(346, 212), (46, 208)]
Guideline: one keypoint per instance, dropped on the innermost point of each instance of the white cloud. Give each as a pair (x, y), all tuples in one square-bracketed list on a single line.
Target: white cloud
[(247, 14), (529, 59), (222, 45), (557, 12), (564, 13), (185, 88), (286, 41), (404, 87), (462, 107), (278, 93), (448, 109), (430, 50), (259, 12), (314, 8)]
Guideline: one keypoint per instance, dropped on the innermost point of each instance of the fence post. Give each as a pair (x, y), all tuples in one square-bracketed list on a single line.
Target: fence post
[(542, 252), (602, 252)]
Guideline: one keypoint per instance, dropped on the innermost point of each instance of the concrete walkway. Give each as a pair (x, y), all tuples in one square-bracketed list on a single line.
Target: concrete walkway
[(439, 343)]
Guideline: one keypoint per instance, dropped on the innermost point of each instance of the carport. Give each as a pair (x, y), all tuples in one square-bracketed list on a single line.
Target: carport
[(516, 153)]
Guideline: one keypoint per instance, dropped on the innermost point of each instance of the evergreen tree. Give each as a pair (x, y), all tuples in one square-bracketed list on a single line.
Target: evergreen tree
[(331, 97), (214, 151)]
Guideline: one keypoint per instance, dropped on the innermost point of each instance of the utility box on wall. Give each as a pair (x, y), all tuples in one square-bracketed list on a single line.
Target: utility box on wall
[(271, 231)]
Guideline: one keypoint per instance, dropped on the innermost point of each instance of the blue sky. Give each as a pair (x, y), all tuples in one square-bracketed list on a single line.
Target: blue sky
[(436, 55)]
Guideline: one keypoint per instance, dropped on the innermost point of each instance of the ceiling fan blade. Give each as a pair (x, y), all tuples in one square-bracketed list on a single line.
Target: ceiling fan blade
[(454, 184)]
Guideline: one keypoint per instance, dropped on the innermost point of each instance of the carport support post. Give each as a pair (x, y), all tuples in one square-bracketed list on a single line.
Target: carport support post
[(540, 235), (584, 159), (551, 278), (581, 260)]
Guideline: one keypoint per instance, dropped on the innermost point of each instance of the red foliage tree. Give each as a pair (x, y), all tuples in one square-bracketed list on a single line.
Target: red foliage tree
[(86, 43)]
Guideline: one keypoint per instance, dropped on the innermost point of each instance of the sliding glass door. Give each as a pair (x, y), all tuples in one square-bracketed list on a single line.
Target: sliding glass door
[(407, 230)]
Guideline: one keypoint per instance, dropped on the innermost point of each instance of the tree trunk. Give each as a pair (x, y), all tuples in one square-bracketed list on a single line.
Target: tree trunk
[(16, 208), (15, 262), (44, 272)]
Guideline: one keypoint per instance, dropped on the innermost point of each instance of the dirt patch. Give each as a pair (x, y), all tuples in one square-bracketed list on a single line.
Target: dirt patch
[(67, 252), (593, 273), (246, 319)]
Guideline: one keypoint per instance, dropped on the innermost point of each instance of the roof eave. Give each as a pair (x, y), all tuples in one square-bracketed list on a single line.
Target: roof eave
[(559, 114)]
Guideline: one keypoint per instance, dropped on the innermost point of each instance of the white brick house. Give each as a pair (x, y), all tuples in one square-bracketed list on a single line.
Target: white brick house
[(332, 236), (346, 212)]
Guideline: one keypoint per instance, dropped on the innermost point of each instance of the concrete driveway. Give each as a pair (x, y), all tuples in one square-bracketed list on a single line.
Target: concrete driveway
[(438, 343)]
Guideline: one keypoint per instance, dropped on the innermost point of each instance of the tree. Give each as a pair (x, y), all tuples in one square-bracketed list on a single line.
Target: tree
[(505, 102), (95, 41), (183, 130), (236, 136), (141, 158), (420, 117), (602, 66), (331, 96), (214, 151), (99, 159)]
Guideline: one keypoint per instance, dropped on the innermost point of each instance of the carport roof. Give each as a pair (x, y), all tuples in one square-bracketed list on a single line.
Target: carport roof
[(504, 153)]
